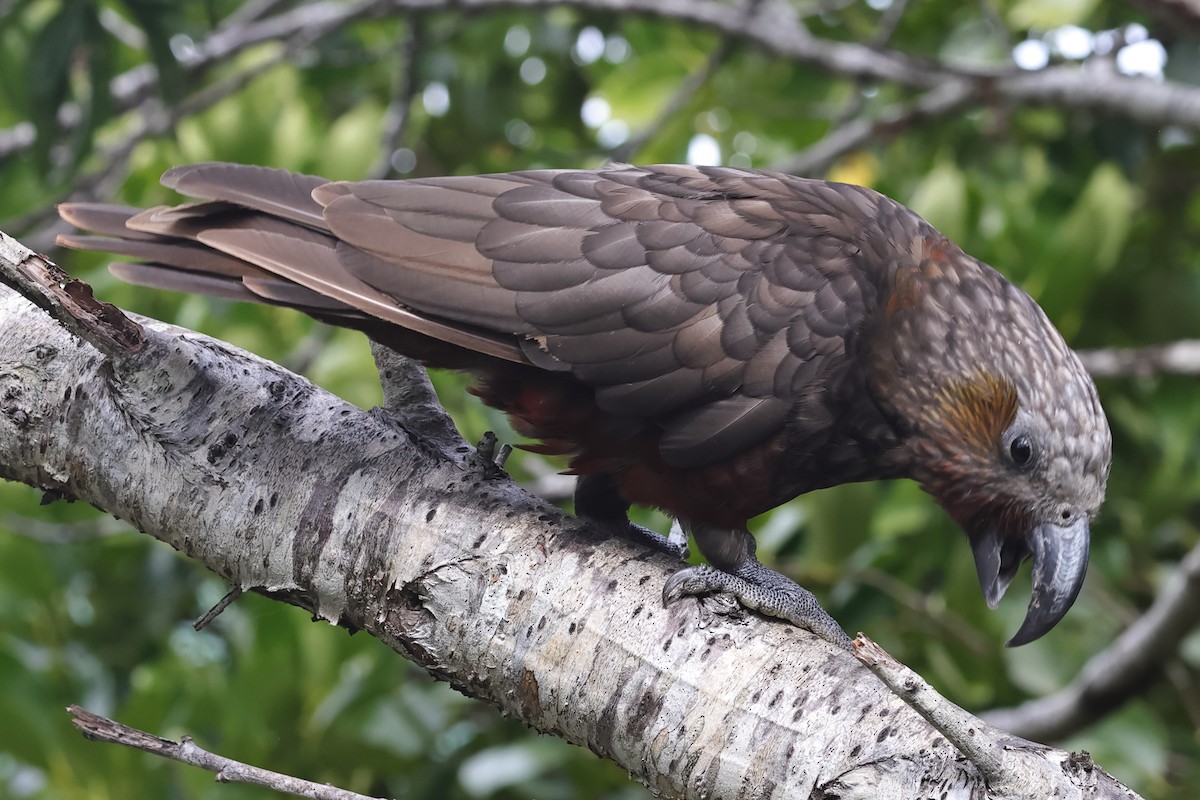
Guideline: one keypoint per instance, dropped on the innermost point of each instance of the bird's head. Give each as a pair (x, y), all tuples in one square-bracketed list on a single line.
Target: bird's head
[(1003, 426)]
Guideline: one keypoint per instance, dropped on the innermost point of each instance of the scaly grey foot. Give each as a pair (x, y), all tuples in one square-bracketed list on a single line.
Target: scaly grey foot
[(761, 589), (670, 545)]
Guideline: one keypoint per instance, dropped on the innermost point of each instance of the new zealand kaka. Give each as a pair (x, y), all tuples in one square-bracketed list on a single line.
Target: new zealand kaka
[(709, 341)]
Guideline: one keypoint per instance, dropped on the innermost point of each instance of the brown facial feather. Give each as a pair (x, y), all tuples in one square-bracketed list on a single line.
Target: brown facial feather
[(965, 424), (975, 411)]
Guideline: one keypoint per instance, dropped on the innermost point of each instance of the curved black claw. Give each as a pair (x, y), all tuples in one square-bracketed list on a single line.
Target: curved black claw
[(688, 582), (761, 589)]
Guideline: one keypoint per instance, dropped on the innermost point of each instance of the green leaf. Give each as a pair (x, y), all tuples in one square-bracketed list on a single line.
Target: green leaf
[(941, 198), (1046, 14)]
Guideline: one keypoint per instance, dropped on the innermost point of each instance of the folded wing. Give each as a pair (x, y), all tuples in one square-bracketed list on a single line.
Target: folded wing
[(708, 300)]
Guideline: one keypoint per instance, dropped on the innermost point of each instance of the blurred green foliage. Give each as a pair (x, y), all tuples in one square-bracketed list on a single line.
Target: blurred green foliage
[(1097, 217)]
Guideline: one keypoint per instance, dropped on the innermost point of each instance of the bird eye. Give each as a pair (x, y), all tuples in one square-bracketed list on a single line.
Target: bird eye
[(1021, 451)]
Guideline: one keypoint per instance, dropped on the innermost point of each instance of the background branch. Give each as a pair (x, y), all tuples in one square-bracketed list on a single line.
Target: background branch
[(683, 95), (1176, 358), (771, 24), (399, 110), (186, 751), (892, 121), (242, 30)]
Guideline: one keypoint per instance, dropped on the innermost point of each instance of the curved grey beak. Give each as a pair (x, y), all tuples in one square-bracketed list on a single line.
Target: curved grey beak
[(1060, 557)]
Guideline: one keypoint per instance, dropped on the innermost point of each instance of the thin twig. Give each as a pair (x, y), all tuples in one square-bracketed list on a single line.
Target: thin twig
[(850, 130), (186, 751), (854, 105), (889, 23), (1012, 768), (961, 729), (399, 111), (683, 95), (945, 99), (205, 619)]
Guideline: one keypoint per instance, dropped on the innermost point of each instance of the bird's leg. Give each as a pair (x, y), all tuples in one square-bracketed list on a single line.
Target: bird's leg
[(735, 569), (598, 499)]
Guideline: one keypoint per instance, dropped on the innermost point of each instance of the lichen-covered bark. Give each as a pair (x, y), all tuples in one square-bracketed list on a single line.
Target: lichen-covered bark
[(282, 488)]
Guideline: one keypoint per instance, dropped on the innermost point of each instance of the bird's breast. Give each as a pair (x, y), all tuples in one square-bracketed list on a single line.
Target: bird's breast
[(562, 414)]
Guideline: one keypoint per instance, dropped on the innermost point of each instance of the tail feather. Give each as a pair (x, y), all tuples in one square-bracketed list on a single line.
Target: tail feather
[(273, 191), (106, 219), (170, 254), (180, 280), (258, 236)]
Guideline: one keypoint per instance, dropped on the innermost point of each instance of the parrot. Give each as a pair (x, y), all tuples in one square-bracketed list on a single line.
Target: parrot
[(708, 341)]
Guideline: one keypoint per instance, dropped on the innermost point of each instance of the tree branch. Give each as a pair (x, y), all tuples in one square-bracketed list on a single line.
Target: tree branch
[(281, 488), (691, 84), (67, 300), (102, 729), (1176, 358), (1012, 767), (856, 133), (243, 29), (777, 27), (851, 128)]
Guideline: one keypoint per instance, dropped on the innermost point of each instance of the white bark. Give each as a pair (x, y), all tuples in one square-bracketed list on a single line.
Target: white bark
[(279, 487)]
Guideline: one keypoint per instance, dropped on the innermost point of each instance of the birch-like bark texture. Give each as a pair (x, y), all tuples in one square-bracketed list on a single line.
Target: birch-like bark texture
[(280, 487)]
